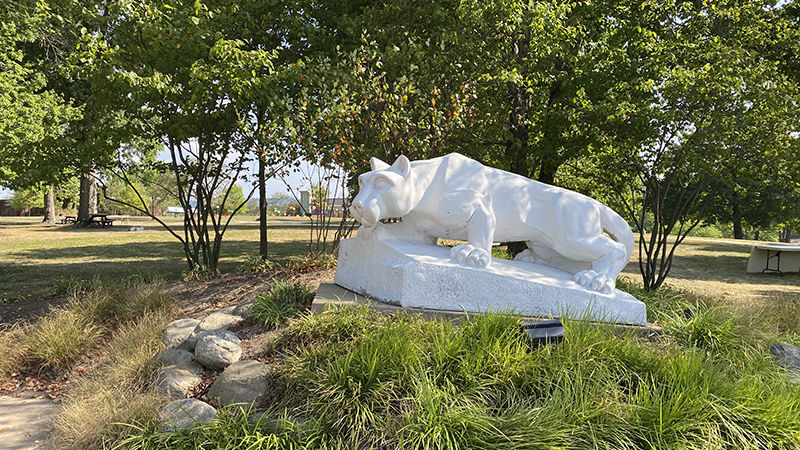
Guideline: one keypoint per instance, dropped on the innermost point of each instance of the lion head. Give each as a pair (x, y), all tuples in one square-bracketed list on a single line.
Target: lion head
[(384, 192)]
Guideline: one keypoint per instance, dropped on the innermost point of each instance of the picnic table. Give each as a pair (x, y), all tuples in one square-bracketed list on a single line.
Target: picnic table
[(69, 219), (778, 258), (100, 220)]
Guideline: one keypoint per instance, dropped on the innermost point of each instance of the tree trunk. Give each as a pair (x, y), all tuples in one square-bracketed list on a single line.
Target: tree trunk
[(49, 205), (262, 208), (517, 146), (547, 172), (785, 234), (736, 216), (88, 197)]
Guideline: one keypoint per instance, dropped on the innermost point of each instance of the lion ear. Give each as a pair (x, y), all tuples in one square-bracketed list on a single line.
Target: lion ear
[(402, 165), (377, 164)]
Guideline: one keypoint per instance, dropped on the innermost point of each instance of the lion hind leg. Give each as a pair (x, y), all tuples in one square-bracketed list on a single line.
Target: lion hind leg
[(607, 258), (538, 253)]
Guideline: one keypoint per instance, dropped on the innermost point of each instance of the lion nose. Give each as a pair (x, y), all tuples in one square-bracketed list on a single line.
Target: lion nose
[(356, 208)]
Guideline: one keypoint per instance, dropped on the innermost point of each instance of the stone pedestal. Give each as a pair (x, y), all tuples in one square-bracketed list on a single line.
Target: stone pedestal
[(423, 276)]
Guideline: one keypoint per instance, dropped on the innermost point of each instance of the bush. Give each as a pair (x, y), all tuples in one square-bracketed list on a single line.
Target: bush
[(284, 300)]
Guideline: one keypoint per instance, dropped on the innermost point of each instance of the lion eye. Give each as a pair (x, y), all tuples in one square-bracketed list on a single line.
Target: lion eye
[(380, 183)]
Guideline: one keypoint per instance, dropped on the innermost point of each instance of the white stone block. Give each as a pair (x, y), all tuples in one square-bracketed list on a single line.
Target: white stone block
[(424, 276)]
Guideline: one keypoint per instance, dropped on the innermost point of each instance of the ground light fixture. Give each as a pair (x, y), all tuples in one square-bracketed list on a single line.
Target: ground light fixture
[(543, 332)]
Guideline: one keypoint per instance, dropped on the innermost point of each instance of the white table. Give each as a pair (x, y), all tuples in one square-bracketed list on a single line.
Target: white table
[(777, 258)]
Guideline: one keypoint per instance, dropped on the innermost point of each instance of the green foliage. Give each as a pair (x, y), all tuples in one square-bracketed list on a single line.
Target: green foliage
[(501, 252), (73, 285), (33, 113), (25, 199), (284, 300), (366, 381), (257, 264), (234, 199)]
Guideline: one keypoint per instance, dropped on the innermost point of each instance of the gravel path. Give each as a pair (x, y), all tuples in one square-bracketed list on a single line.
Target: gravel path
[(26, 423)]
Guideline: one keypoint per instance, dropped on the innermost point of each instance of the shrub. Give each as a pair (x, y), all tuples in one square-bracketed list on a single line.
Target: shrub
[(284, 300)]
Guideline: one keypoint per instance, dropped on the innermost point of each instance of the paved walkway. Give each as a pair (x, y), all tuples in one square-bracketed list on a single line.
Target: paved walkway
[(25, 423)]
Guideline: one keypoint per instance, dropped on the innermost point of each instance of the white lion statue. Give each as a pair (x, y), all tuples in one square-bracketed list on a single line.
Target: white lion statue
[(455, 197)]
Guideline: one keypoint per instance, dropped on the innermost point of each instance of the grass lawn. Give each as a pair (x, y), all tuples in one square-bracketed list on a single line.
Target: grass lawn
[(34, 257), (718, 268)]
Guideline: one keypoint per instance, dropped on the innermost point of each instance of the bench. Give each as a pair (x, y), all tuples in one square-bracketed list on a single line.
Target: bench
[(775, 258), (100, 220), (69, 219)]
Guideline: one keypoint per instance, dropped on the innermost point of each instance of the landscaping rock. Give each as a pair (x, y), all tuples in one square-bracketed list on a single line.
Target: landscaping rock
[(218, 349), (244, 310), (788, 356), (215, 321), (173, 357), (228, 310), (241, 382), (179, 358), (186, 413), (176, 381), (218, 321), (178, 331)]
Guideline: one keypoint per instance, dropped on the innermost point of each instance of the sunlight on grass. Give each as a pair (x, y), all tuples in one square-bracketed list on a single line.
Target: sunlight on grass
[(35, 257)]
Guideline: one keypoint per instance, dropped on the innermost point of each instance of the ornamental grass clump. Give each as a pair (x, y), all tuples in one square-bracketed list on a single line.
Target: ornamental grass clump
[(284, 300), (59, 339)]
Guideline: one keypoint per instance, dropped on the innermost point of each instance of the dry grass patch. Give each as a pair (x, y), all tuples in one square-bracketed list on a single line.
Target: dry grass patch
[(118, 391), (61, 338), (66, 334)]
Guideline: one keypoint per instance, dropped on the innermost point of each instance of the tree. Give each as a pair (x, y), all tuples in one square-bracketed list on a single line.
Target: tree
[(33, 113), (709, 91), (181, 70), (234, 198)]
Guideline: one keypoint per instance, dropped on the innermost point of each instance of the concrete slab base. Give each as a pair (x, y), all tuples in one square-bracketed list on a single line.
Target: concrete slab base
[(331, 295), (415, 275)]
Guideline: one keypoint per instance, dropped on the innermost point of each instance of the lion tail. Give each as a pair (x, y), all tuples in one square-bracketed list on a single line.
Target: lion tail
[(618, 228)]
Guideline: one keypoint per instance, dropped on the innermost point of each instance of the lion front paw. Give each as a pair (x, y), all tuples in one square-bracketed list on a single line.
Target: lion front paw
[(595, 281), (470, 255)]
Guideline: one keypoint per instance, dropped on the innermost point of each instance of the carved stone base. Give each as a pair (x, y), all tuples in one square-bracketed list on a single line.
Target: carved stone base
[(423, 276)]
